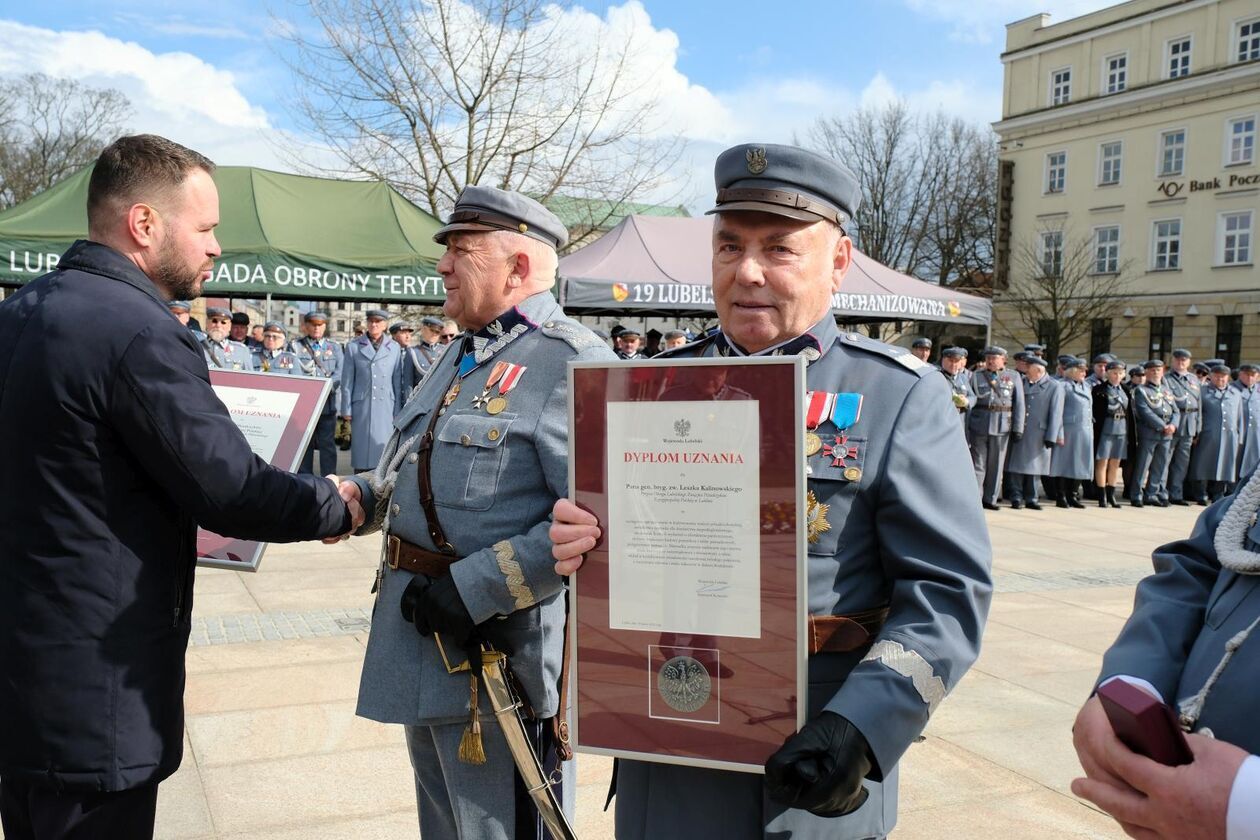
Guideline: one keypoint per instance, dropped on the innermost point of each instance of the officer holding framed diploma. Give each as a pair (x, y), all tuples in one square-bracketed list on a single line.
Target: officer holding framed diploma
[(884, 556)]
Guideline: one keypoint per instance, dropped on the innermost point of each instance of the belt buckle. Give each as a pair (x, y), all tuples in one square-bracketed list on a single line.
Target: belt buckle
[(393, 547)]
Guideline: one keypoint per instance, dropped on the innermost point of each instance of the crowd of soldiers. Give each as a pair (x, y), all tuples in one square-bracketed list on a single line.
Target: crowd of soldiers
[(1172, 436), (371, 375)]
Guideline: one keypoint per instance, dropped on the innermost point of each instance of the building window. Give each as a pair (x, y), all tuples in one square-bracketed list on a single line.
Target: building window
[(1229, 338), (1052, 253), (1233, 238), (1061, 86), (1117, 73), (1249, 40), (1179, 58), (1167, 251), (1048, 336), (1099, 337), (1161, 337), (1172, 152), (341, 325), (1240, 141), (1056, 172), (1109, 163), (1107, 249)]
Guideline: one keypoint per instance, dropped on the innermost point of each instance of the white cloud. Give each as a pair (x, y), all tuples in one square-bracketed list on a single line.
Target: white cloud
[(175, 94), (985, 22)]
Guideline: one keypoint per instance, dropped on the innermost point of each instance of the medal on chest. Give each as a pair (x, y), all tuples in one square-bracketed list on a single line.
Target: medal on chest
[(815, 517), (843, 410)]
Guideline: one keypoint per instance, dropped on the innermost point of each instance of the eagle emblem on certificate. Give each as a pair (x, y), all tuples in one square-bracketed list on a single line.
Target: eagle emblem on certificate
[(684, 684)]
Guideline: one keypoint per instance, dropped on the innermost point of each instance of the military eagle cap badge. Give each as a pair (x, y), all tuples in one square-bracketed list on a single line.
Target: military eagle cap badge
[(756, 157)]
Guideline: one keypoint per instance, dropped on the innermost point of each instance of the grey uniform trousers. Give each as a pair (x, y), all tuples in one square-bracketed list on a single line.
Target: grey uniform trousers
[(1150, 471), (460, 801), (988, 457), (1179, 464)]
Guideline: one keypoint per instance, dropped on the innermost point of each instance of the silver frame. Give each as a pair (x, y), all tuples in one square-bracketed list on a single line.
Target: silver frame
[(255, 559), (802, 557)]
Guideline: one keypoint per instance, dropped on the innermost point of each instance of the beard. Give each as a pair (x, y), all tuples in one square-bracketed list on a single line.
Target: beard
[(180, 280), (216, 333)]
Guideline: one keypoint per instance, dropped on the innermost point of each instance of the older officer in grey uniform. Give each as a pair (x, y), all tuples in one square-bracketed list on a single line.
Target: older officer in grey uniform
[(1072, 460), (370, 375), (1214, 465), (954, 366), (890, 542), (996, 418), (1043, 426), (221, 352), (411, 369), (320, 356), (1246, 384), (272, 357), (464, 492), (1192, 641), (1155, 416), (921, 348), (1184, 387), (1098, 370)]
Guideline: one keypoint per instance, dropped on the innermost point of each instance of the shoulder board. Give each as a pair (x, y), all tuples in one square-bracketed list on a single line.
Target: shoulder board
[(900, 355), (572, 333)]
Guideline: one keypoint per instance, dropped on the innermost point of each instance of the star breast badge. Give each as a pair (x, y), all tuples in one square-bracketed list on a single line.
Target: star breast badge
[(816, 517)]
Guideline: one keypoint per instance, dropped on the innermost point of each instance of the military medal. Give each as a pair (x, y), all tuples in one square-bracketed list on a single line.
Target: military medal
[(818, 405), (511, 376), (484, 397), (816, 517), (450, 395)]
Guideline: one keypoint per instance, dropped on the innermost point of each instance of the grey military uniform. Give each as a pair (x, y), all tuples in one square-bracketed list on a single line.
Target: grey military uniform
[(1075, 458), (1153, 409), (1029, 456), (496, 479), (1187, 395), (278, 361), (416, 362), (1249, 456), (1185, 614), (369, 395), (1215, 458), (226, 354), (963, 397), (889, 543), (323, 359), (997, 414)]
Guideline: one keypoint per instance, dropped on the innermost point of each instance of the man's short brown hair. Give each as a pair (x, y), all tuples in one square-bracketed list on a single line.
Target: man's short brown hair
[(139, 168)]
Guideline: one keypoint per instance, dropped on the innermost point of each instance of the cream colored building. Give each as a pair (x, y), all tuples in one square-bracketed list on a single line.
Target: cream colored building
[(1132, 131)]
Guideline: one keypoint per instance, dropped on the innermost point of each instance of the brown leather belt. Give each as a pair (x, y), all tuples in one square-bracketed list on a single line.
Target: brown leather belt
[(400, 554), (843, 633)]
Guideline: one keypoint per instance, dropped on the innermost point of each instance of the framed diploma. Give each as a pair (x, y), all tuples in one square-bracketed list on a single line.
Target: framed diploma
[(688, 620), (277, 414)]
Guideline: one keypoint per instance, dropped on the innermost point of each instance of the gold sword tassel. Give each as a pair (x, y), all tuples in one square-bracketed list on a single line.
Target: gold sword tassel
[(471, 748)]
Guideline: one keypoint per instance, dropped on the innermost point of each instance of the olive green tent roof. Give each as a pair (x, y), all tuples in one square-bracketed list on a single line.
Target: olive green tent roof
[(290, 236)]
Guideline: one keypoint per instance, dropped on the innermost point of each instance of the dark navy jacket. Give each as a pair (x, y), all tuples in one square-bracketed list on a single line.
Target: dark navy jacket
[(116, 449)]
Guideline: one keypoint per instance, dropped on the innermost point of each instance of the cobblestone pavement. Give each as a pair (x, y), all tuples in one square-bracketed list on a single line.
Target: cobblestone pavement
[(274, 751)]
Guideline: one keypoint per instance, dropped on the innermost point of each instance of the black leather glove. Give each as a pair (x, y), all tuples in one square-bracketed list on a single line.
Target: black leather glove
[(1049, 444), (820, 768), (437, 608), (1016, 435)]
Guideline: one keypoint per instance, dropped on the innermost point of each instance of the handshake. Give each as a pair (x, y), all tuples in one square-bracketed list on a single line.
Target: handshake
[(353, 497)]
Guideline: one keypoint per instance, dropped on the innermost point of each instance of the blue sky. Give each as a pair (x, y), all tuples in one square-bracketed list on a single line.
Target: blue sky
[(212, 75)]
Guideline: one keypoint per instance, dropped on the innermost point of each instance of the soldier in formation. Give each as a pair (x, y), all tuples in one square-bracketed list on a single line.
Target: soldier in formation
[(1072, 458), (1111, 431)]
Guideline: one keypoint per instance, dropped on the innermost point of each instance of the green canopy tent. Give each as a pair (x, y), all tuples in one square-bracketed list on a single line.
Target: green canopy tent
[(288, 236)]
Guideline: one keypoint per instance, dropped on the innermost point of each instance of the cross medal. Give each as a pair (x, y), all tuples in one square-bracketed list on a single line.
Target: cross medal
[(495, 375)]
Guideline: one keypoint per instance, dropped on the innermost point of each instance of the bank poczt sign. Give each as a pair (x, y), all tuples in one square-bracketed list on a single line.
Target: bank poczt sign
[(1235, 181)]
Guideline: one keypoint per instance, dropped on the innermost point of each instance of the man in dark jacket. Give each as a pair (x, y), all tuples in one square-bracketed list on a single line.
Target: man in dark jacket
[(125, 451)]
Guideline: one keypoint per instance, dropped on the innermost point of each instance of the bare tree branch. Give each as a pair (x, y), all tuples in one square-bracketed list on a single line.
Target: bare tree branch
[(50, 129), (436, 95)]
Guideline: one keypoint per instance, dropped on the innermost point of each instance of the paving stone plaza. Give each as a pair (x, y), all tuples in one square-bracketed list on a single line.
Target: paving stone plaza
[(274, 751)]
